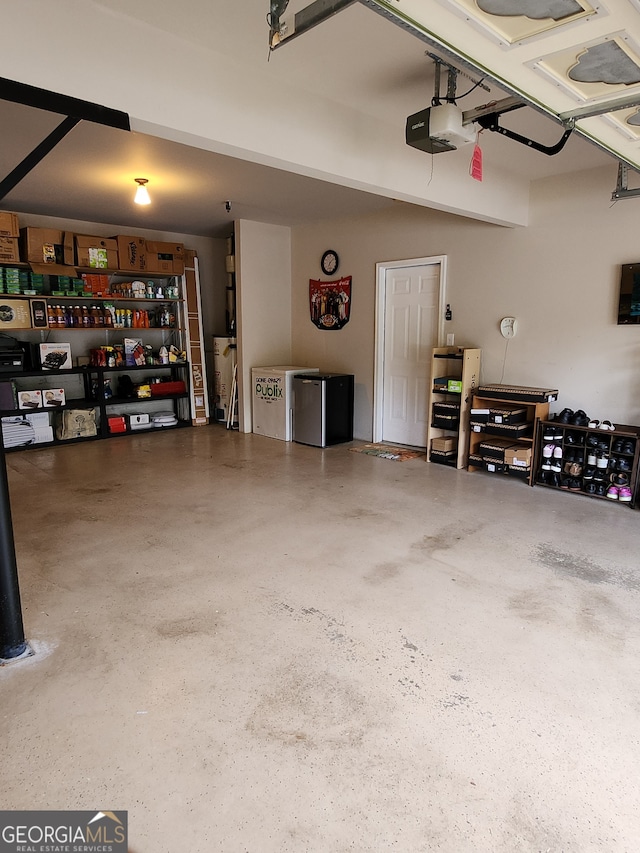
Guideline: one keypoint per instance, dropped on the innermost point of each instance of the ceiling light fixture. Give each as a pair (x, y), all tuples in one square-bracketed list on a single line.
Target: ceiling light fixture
[(142, 194)]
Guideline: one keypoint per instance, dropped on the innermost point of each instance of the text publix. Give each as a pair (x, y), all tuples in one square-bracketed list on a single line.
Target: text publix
[(268, 387)]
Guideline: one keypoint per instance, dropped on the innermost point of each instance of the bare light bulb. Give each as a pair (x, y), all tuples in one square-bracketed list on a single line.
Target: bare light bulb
[(142, 194)]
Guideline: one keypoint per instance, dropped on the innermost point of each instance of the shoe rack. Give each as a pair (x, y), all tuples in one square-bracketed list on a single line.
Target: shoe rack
[(599, 463), (455, 373)]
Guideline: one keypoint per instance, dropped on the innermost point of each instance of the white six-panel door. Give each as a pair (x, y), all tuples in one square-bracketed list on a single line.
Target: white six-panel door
[(410, 327)]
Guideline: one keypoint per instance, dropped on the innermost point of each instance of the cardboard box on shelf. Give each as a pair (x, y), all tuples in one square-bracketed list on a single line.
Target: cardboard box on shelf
[(480, 416), (9, 250), (508, 415), (494, 449), (444, 457), (9, 226), (46, 246), (165, 257), (451, 422), (96, 252), (445, 445), (519, 393), (132, 253), (518, 457), (516, 471), (53, 269), (445, 408), (514, 430)]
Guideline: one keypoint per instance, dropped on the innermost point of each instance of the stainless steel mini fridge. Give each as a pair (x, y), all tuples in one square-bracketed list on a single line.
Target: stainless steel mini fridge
[(322, 408)]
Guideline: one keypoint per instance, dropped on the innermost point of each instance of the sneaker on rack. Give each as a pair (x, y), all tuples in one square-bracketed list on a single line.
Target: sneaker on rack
[(580, 418), (547, 450), (613, 493), (564, 417), (620, 479), (625, 494)]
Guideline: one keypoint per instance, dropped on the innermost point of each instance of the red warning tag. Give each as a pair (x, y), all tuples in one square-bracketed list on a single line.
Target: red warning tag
[(475, 168)]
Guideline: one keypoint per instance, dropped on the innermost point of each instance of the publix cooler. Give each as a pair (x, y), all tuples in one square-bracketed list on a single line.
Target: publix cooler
[(273, 399)]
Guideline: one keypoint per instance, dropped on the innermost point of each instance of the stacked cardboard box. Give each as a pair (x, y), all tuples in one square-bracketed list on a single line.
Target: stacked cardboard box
[(149, 256), (9, 234), (96, 252)]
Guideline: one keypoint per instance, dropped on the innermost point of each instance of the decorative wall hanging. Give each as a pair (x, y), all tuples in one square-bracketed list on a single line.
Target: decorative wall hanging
[(330, 302)]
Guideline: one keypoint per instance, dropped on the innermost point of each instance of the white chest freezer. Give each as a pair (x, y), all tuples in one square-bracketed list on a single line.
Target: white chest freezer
[(273, 399)]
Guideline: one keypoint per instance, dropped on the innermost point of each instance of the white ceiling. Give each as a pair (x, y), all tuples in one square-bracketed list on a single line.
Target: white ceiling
[(357, 59)]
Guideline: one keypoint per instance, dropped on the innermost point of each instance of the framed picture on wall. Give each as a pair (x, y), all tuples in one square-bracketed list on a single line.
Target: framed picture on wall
[(629, 301)]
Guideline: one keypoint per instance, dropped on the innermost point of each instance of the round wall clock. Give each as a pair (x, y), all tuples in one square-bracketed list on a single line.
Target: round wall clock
[(329, 262)]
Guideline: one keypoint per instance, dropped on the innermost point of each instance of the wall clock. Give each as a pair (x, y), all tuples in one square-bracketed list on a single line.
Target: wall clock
[(329, 262)]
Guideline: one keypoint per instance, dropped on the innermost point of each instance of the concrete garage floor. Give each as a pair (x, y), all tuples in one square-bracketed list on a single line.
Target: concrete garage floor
[(265, 647)]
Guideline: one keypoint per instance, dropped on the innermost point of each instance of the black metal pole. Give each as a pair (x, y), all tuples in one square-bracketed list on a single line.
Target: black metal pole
[(12, 641)]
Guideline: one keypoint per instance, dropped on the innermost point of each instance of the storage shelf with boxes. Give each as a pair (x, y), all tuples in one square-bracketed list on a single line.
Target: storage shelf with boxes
[(455, 373), (53, 251), (57, 282), (503, 422)]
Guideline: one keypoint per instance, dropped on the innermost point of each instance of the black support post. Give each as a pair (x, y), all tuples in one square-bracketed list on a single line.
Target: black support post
[(12, 641)]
